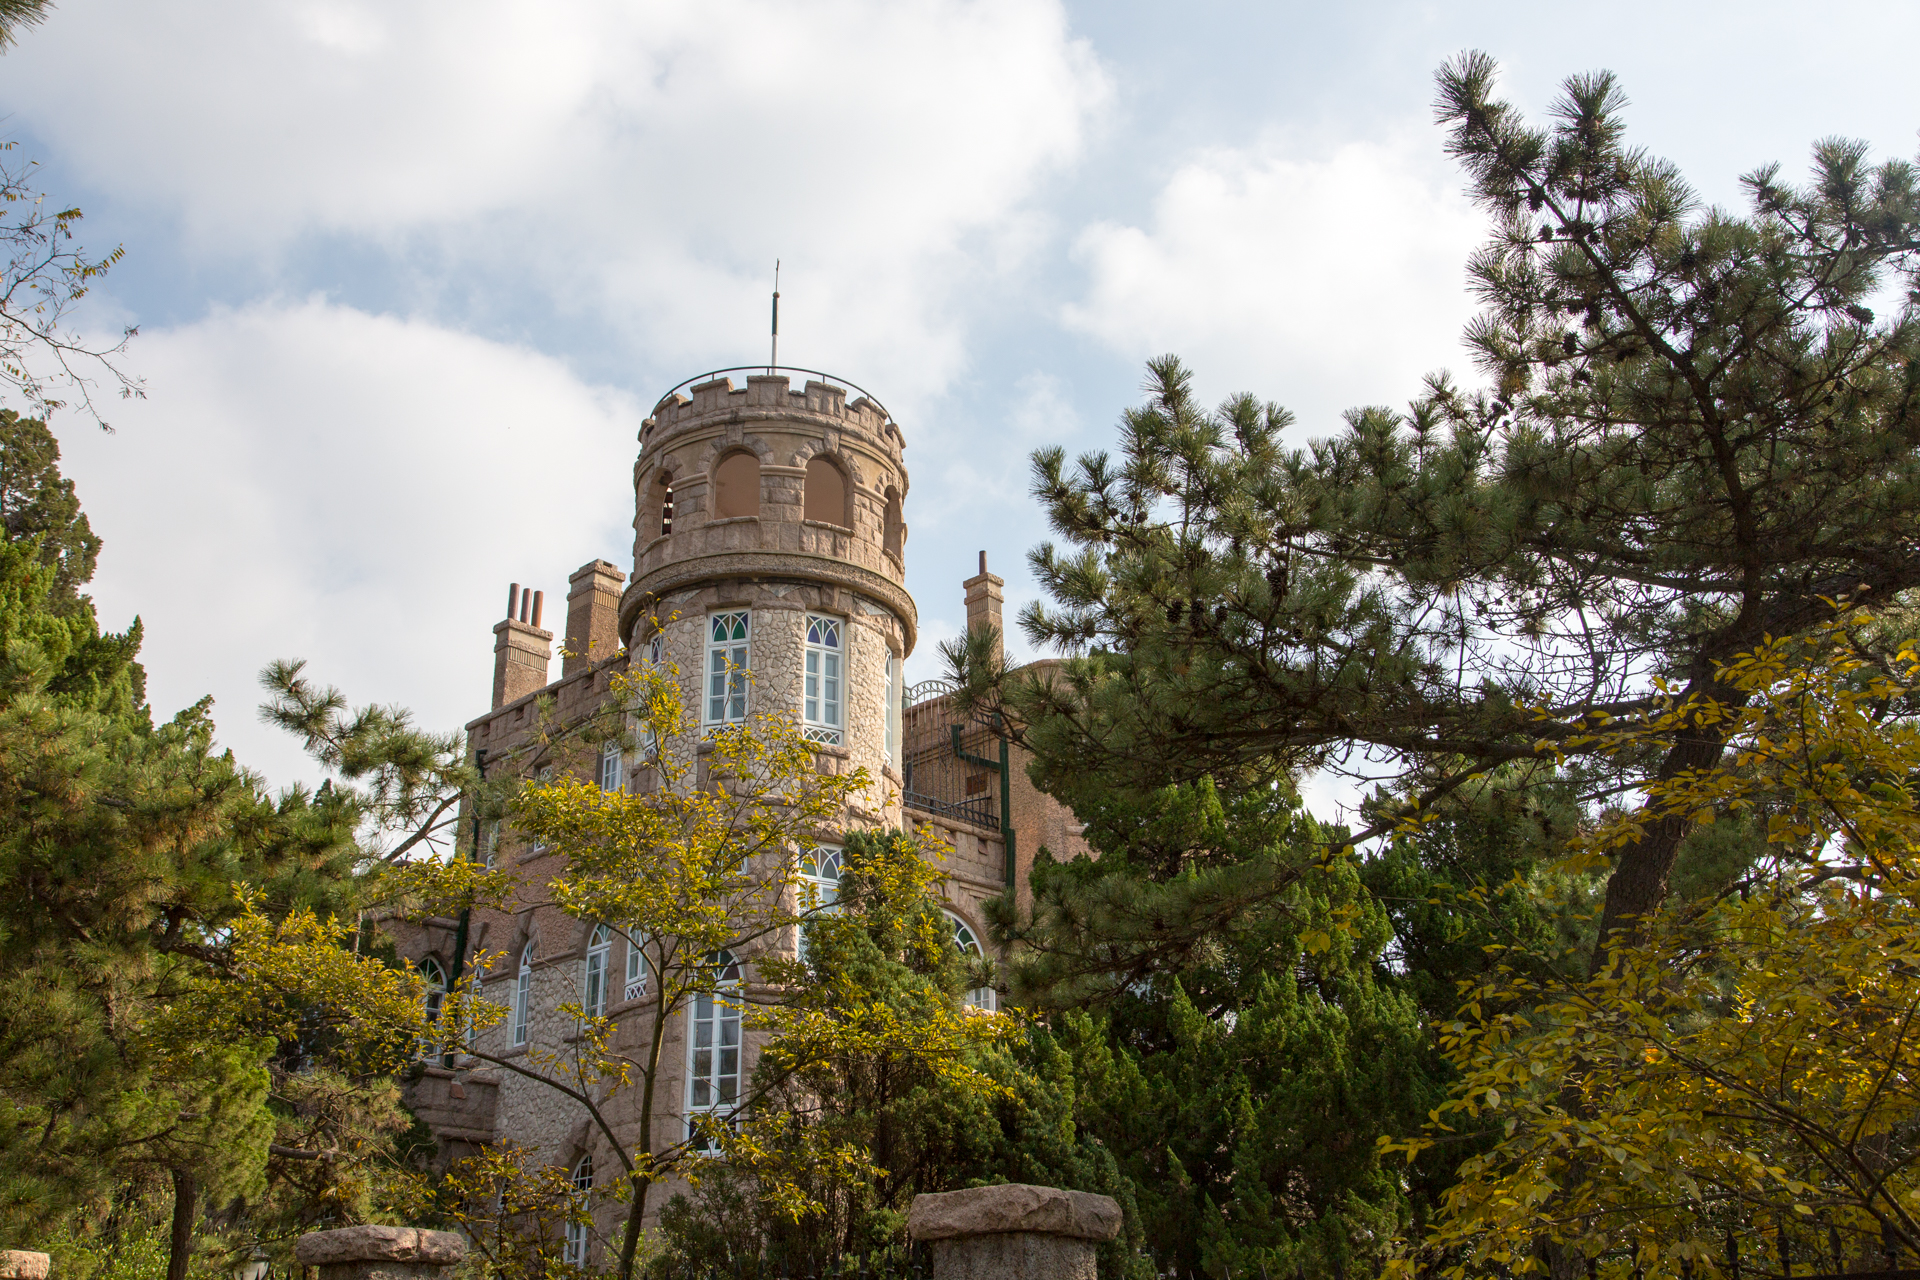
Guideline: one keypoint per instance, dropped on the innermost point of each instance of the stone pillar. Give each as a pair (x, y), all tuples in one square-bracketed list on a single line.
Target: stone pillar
[(23, 1264), (984, 597), (380, 1253), (593, 616), (1013, 1232)]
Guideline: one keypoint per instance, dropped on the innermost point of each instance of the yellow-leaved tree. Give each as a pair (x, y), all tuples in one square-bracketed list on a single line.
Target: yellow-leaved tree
[(700, 870), (1738, 1090)]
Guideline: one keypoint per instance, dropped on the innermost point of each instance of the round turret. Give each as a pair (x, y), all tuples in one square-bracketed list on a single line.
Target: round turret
[(768, 536)]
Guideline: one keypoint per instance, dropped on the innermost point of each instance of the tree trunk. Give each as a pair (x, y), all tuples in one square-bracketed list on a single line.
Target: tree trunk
[(181, 1249), (643, 1180), (1640, 876)]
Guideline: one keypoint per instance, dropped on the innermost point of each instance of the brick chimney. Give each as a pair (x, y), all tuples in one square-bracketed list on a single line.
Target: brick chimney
[(983, 606), (593, 616), (521, 650)]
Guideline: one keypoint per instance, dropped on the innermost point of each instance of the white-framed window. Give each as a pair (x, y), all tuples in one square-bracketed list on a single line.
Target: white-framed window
[(819, 886), (582, 1179), (542, 778), (822, 714), (968, 945), (490, 844), (890, 708), (654, 655), (636, 966), (613, 767), (436, 979), (713, 1047), (729, 650), (522, 995), (593, 979)]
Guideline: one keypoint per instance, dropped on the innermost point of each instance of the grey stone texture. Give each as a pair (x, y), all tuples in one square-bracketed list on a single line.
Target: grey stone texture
[(380, 1253), (1018, 1207), (24, 1264), (1016, 1255), (1015, 1231)]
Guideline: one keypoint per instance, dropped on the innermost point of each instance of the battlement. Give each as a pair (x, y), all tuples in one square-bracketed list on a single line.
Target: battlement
[(770, 395)]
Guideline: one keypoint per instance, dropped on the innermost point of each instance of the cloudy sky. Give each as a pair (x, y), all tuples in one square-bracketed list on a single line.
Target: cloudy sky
[(410, 273)]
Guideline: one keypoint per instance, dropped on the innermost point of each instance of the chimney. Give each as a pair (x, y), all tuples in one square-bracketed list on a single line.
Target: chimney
[(983, 606), (593, 616), (521, 650)]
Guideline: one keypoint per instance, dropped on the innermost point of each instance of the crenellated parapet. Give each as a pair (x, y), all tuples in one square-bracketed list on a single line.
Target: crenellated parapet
[(770, 482)]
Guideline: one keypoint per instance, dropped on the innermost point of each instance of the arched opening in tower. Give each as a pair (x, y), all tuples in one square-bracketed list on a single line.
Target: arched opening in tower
[(736, 486), (826, 493)]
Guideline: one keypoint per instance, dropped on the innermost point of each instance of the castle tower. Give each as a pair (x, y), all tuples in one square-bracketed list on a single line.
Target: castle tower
[(768, 535)]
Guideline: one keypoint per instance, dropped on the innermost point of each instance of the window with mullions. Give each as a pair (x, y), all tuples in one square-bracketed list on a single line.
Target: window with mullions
[(826, 660), (522, 995), (969, 946), (613, 767), (636, 967), (728, 651), (593, 980), (713, 1050), (890, 708), (577, 1230), (819, 886)]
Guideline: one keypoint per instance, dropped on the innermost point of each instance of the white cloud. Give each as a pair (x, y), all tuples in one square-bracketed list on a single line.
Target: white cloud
[(312, 481), (1321, 282), (643, 163)]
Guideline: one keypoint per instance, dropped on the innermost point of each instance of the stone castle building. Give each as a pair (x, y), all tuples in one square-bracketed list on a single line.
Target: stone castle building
[(770, 537)]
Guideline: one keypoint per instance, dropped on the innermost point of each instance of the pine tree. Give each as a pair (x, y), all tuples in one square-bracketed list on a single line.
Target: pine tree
[(1695, 434)]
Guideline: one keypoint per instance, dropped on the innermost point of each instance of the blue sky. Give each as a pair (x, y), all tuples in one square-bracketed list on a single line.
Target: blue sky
[(409, 273)]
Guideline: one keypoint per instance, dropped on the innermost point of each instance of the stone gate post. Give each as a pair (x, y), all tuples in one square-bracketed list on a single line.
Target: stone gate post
[(23, 1264), (380, 1253), (1013, 1232)]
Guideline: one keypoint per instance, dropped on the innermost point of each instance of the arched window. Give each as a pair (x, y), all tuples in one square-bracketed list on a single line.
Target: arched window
[(729, 659), (821, 693), (636, 966), (736, 486), (819, 886), (969, 946), (663, 503), (436, 978), (579, 1218), (593, 982), (713, 1048), (826, 496), (523, 994), (894, 531)]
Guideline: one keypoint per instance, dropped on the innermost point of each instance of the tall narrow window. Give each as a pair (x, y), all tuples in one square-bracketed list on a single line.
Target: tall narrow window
[(436, 979), (890, 708), (663, 501), (581, 1209), (713, 1048), (490, 844), (969, 946), (894, 530), (655, 654), (819, 885), (728, 650), (636, 966), (825, 661), (593, 982), (613, 767), (523, 995), (543, 778)]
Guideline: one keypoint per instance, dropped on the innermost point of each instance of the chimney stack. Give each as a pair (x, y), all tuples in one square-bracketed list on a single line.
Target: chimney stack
[(522, 652), (983, 607), (593, 616)]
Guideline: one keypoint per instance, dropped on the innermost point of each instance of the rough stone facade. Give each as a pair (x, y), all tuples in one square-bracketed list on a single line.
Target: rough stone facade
[(723, 487)]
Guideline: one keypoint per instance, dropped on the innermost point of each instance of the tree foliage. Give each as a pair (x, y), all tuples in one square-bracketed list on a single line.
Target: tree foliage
[(1695, 431), (1739, 1081)]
